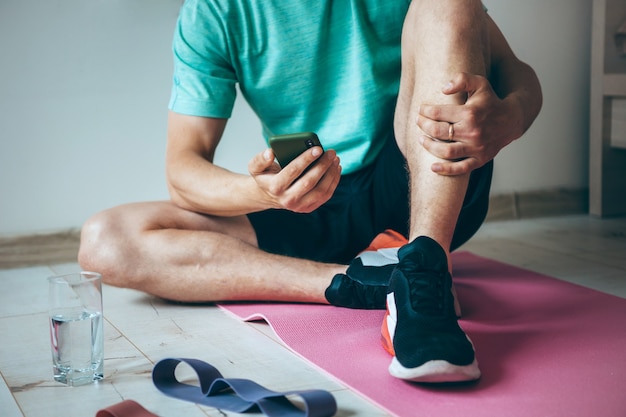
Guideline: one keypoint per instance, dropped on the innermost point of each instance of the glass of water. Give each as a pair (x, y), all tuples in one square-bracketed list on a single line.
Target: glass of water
[(76, 327)]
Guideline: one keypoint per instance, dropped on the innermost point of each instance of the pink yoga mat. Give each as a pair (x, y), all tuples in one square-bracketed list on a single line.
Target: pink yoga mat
[(545, 347)]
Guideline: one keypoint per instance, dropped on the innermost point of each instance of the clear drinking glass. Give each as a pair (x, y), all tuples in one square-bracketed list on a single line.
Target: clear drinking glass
[(76, 327)]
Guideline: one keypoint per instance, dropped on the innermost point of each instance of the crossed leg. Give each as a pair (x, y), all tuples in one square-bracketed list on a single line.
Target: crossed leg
[(161, 249)]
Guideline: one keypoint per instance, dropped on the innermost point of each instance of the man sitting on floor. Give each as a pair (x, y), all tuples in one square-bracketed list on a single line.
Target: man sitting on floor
[(414, 98)]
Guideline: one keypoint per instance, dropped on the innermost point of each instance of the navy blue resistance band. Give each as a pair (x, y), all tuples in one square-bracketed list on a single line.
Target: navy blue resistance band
[(238, 395)]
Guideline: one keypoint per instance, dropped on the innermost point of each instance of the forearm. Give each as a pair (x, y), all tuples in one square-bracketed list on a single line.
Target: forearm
[(517, 84), (198, 185), (194, 182)]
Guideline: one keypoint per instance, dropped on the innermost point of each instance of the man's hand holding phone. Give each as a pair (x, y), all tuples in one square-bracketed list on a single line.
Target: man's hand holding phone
[(308, 178)]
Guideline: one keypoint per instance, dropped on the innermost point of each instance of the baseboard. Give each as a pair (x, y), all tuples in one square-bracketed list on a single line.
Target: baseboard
[(62, 247), (533, 204), (39, 249)]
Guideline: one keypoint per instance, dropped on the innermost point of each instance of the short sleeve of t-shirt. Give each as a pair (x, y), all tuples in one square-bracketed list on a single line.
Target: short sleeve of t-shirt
[(203, 80)]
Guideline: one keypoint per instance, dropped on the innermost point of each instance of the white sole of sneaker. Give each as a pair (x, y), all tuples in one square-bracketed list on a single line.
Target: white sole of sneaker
[(436, 371)]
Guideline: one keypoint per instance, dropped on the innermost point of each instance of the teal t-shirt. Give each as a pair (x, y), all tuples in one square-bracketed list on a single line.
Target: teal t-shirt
[(328, 66)]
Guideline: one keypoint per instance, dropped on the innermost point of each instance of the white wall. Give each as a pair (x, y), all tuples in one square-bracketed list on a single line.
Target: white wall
[(554, 36), (84, 87)]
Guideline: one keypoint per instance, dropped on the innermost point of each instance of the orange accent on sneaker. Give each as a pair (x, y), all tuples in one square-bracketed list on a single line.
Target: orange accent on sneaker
[(385, 337), (387, 239)]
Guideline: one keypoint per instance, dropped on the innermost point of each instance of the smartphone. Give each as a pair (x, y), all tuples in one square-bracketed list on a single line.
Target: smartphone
[(287, 147)]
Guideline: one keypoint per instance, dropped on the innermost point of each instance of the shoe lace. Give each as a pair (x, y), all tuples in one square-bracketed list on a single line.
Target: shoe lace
[(426, 288)]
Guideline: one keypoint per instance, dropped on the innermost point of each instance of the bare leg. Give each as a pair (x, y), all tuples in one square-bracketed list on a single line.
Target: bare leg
[(440, 39), (176, 254)]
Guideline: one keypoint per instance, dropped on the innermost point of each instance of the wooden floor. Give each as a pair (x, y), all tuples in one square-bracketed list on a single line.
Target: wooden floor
[(140, 330)]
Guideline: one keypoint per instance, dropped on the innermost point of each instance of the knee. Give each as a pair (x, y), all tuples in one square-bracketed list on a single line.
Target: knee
[(448, 18), (103, 248)]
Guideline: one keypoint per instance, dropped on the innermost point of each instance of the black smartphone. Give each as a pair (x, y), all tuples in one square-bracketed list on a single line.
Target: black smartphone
[(287, 147)]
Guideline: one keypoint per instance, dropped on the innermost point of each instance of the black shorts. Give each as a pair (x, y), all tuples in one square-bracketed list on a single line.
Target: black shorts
[(364, 204)]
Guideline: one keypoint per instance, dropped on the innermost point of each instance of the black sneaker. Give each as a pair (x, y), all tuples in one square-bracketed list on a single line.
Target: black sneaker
[(420, 329), (364, 285), (361, 286)]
